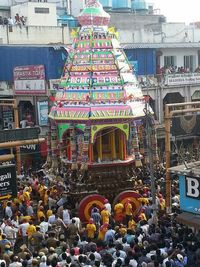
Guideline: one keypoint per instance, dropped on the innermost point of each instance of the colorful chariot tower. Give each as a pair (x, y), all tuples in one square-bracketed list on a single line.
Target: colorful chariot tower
[(98, 113)]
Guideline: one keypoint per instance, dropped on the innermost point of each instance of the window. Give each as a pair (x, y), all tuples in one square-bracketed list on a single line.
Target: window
[(169, 61), (42, 10), (190, 63)]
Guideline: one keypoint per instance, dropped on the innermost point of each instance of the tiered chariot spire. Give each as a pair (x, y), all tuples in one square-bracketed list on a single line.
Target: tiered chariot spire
[(99, 107)]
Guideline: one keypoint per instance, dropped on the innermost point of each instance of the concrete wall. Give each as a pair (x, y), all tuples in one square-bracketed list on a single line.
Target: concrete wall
[(34, 35), (131, 21), (36, 19)]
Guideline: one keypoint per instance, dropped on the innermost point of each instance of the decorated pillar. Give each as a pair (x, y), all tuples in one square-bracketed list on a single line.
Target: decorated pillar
[(74, 165), (121, 146), (99, 147), (113, 147), (124, 144), (91, 153)]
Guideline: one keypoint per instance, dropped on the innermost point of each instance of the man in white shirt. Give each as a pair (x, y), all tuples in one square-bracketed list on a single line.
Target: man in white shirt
[(43, 225), (10, 232), (23, 228), (52, 218), (107, 205), (66, 216), (8, 210)]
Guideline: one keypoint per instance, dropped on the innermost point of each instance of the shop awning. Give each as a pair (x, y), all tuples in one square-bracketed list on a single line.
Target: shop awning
[(190, 219)]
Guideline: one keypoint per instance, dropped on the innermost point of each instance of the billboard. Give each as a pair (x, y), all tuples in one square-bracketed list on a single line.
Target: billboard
[(8, 181), (29, 80), (189, 187), (42, 113)]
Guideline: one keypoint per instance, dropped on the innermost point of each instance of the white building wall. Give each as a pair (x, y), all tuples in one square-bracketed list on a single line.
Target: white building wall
[(36, 19), (179, 54), (169, 33)]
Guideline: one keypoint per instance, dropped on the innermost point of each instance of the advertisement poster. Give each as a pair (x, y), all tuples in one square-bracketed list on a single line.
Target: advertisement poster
[(42, 113), (8, 182), (29, 79)]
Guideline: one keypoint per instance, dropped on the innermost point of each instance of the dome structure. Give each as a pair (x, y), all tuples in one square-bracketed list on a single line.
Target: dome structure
[(93, 14)]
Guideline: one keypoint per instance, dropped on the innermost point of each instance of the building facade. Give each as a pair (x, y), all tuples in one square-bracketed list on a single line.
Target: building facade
[(156, 49)]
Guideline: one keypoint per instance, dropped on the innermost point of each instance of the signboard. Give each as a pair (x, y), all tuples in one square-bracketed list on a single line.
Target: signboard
[(19, 134), (189, 193), (181, 79), (29, 80), (54, 84), (7, 116), (29, 148), (42, 113), (8, 182)]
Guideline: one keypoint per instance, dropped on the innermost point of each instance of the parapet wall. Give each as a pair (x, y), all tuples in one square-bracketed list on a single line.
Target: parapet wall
[(34, 35)]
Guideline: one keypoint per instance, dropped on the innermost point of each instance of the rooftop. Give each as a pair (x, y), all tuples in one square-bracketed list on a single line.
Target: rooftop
[(192, 169), (162, 45)]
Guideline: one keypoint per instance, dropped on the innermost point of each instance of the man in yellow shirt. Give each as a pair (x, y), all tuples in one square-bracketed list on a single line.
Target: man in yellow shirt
[(90, 228), (105, 216), (40, 213), (118, 210), (128, 211), (102, 231), (132, 224), (31, 229)]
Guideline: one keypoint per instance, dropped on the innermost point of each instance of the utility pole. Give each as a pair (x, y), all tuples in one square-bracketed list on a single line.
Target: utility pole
[(148, 120)]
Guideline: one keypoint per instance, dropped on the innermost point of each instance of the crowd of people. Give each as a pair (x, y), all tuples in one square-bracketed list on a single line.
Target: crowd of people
[(18, 20), (171, 69), (41, 227)]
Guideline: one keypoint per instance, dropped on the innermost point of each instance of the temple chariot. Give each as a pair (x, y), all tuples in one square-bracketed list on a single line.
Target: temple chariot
[(98, 116)]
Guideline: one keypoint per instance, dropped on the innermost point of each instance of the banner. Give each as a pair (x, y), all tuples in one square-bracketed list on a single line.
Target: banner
[(8, 182), (29, 79), (42, 113)]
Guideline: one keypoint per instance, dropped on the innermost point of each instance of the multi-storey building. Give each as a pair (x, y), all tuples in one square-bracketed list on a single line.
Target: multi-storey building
[(165, 55)]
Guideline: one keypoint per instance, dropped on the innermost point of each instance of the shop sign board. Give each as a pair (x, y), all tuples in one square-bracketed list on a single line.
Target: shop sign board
[(19, 134), (189, 193), (181, 79), (42, 107), (29, 80), (8, 181)]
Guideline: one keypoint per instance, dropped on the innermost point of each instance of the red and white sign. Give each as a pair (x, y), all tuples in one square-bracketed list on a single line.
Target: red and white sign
[(29, 80)]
